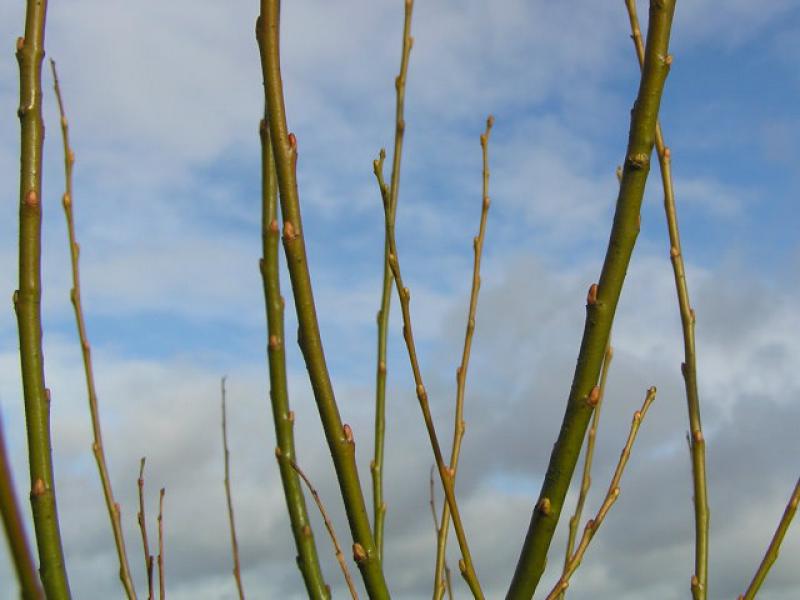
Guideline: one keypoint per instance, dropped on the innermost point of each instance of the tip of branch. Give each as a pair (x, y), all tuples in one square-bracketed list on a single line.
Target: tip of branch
[(489, 121)]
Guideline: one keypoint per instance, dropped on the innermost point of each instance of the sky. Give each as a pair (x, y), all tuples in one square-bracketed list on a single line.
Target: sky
[(164, 100)]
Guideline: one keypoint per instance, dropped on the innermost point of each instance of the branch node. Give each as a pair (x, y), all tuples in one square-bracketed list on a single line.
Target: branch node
[(544, 506), (591, 296), (359, 554)]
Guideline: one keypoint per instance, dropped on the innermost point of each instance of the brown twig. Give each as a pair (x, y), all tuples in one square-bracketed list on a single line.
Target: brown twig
[(161, 583), (329, 526), (237, 574), (697, 445), (774, 546), (592, 525), (445, 474), (461, 371), (75, 296), (586, 479), (140, 517)]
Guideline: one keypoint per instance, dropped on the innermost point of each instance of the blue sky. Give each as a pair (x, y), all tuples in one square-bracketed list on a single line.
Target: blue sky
[(164, 101)]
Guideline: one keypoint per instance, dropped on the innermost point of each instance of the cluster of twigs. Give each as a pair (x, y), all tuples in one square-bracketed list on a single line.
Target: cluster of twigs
[(281, 204)]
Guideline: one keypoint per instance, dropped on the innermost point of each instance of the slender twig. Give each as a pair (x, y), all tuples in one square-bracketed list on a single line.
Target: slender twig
[(601, 303), (774, 546), (161, 582), (444, 583), (376, 466), (699, 580), (592, 525), (75, 296), (445, 474), (339, 437), (461, 371), (27, 304), (586, 479), (237, 573), (141, 518), (30, 587), (283, 417), (329, 526)]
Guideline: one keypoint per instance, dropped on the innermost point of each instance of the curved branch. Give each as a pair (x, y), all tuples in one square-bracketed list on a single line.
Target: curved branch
[(601, 306)]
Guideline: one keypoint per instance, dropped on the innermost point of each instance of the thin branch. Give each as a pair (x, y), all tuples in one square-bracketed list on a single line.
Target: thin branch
[(237, 573), (699, 581), (592, 525), (376, 466), (282, 416), (461, 371), (601, 306), (141, 518), (444, 582), (75, 296), (161, 582), (339, 436), (14, 524), (774, 546), (27, 304), (329, 526), (586, 479), (445, 474)]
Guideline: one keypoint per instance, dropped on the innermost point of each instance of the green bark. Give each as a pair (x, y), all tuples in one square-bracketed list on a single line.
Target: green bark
[(27, 303), (307, 559), (339, 436), (601, 305)]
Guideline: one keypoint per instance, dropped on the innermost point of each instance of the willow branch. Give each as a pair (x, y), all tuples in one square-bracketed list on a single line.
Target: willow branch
[(461, 372), (161, 581), (14, 524), (283, 417), (611, 497), (141, 518), (444, 583), (586, 479), (329, 526), (75, 296), (376, 466), (27, 304), (339, 437), (601, 306), (445, 474), (699, 581), (774, 546), (237, 573)]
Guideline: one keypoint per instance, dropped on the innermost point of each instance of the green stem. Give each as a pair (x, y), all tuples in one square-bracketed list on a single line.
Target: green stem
[(339, 436), (439, 580), (611, 497), (699, 581), (774, 546), (376, 466), (586, 479), (445, 474), (27, 303), (15, 530), (601, 306), (142, 520), (307, 561), (75, 296)]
